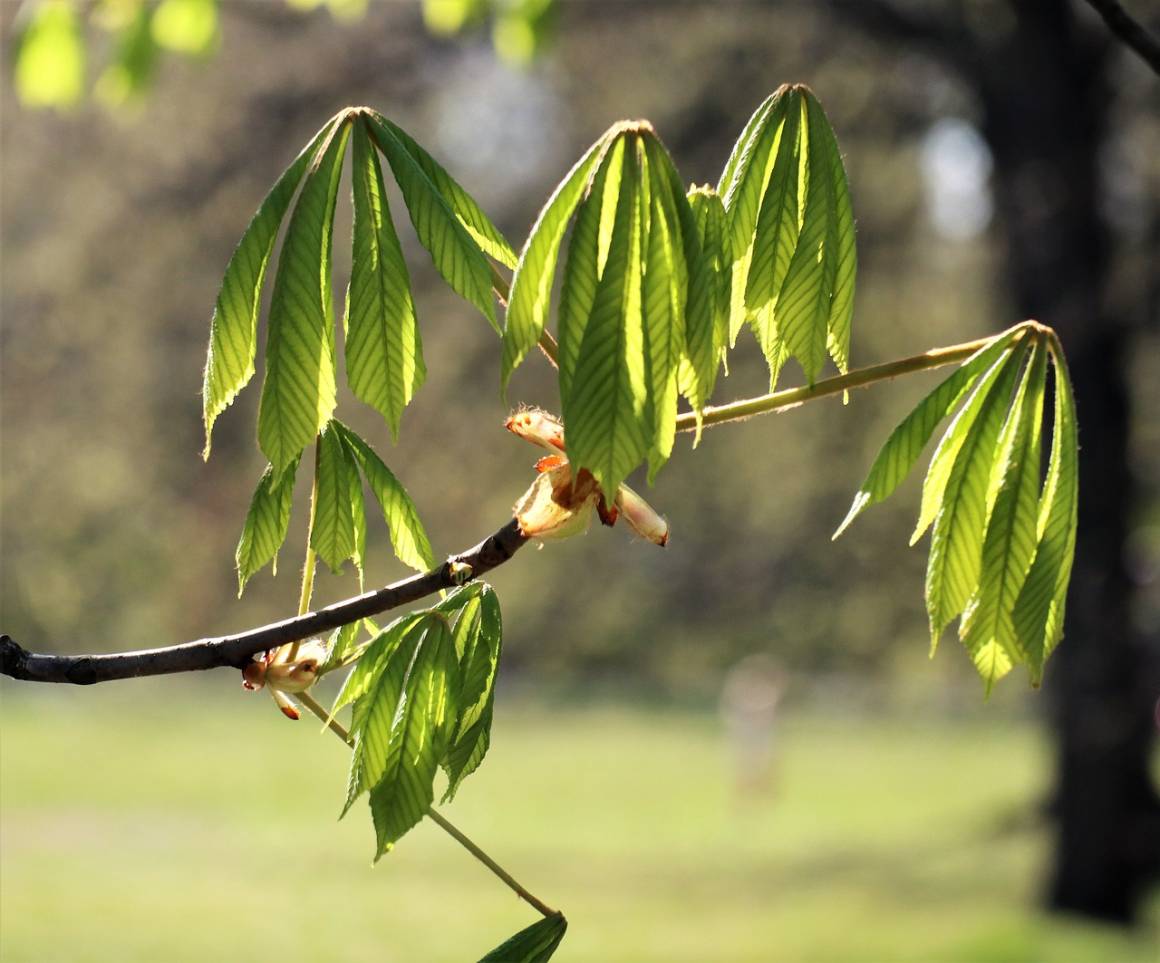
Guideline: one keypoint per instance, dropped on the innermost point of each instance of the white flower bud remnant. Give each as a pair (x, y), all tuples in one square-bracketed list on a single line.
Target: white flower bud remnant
[(641, 517), (538, 427), (289, 668)]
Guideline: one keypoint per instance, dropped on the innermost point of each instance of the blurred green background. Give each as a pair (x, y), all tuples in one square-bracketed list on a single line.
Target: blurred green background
[(179, 820)]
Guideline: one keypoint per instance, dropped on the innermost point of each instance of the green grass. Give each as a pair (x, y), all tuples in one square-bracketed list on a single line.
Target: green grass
[(138, 824)]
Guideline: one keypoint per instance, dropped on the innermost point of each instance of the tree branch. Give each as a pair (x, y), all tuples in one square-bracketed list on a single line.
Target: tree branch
[(236, 650), (1128, 31)]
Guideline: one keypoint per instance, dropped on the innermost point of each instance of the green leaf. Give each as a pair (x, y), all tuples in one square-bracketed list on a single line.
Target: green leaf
[(372, 662), (704, 349), (384, 353), (956, 544), (478, 643), (264, 529), (1039, 609), (485, 234), (338, 507), (906, 442), (50, 57), (408, 537), (604, 410), (531, 288), (664, 295), (987, 628), (234, 328), (342, 646), (298, 394), (535, 944), (189, 27), (406, 740), (454, 251)]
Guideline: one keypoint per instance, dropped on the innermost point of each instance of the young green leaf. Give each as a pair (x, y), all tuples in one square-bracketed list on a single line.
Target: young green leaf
[(531, 288), (298, 394), (605, 406), (342, 646), (453, 249), (1038, 613), (704, 351), (408, 537), (907, 441), (372, 661), (384, 353), (338, 502), (987, 629), (956, 544), (485, 234), (233, 334), (535, 944), (406, 741), (266, 523)]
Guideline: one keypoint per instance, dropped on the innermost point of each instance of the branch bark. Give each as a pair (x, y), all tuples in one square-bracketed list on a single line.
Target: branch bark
[(236, 650), (1128, 31)]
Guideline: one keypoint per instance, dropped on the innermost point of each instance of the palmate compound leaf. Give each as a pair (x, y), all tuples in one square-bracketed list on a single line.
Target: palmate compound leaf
[(1001, 548), (702, 361), (791, 229), (384, 353), (534, 944), (299, 391), (453, 248), (338, 528), (266, 523), (234, 327)]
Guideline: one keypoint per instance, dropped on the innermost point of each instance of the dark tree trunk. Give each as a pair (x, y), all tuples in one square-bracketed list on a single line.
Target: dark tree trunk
[(1045, 96)]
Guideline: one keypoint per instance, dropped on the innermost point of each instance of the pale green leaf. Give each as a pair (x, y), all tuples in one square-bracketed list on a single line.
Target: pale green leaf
[(333, 530), (535, 944), (384, 354), (298, 394), (234, 328), (485, 234), (408, 537), (907, 441), (454, 251), (531, 288), (1039, 609), (372, 661), (49, 68), (703, 353), (604, 407), (342, 646), (402, 782), (189, 27), (266, 523), (1011, 528), (956, 544)]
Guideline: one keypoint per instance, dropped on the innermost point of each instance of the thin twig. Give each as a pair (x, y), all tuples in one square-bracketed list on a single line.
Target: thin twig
[(1128, 31), (237, 650), (437, 817)]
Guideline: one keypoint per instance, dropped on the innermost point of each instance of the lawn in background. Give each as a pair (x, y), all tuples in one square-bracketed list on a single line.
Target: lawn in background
[(139, 823)]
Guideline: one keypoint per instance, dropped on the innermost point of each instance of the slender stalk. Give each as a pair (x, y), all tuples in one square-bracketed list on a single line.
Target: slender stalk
[(438, 818), (860, 378), (311, 560)]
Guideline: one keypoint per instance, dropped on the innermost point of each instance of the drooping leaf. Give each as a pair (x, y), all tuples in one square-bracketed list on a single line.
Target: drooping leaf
[(454, 251), (535, 944), (703, 354), (1039, 609), (956, 544), (531, 288), (402, 782), (342, 646), (338, 502), (234, 328), (298, 394), (987, 629), (384, 354), (485, 234), (605, 406), (906, 442), (266, 523), (408, 537), (372, 661), (478, 642)]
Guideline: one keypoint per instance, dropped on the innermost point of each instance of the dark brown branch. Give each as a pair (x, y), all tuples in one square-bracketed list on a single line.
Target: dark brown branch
[(236, 650), (1128, 31)]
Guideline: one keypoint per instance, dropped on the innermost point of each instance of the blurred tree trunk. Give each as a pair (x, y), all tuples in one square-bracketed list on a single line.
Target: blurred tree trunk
[(1043, 82), (1045, 97)]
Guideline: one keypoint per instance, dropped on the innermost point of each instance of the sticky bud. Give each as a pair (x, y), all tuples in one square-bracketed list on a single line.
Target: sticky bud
[(641, 517), (289, 668), (538, 427), (556, 506)]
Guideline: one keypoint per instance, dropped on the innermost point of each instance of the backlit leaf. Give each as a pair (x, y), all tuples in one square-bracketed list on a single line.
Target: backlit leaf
[(234, 328), (266, 523), (535, 944), (298, 394), (337, 501), (384, 355)]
